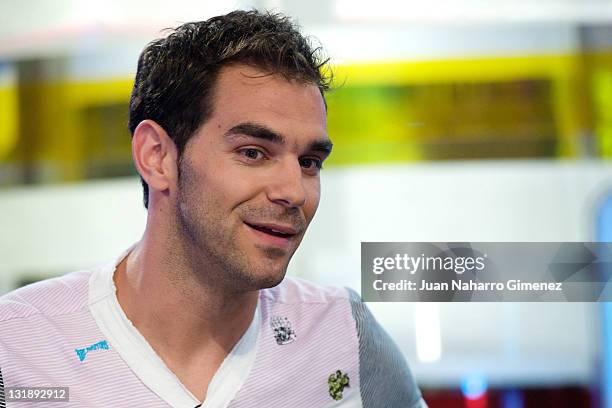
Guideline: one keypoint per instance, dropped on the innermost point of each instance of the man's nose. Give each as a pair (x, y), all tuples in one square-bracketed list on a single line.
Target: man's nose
[(286, 185)]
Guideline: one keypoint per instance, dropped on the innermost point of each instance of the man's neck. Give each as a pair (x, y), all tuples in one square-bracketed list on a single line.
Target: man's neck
[(191, 326)]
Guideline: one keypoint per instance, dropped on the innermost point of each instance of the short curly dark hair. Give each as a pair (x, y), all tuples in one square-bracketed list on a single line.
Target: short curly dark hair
[(181, 68)]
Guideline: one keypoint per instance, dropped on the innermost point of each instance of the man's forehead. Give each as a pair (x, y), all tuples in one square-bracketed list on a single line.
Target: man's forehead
[(246, 95), (239, 81)]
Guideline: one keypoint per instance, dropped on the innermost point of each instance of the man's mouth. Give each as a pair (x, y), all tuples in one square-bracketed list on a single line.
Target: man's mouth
[(274, 230)]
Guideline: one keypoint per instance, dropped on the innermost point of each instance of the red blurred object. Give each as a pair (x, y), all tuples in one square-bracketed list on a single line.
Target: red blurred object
[(557, 397), (480, 402)]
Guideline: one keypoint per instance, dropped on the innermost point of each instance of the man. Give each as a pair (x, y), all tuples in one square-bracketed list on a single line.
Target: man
[(228, 126)]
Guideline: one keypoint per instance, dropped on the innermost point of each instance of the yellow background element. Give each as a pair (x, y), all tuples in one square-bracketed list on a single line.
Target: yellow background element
[(9, 117), (524, 106)]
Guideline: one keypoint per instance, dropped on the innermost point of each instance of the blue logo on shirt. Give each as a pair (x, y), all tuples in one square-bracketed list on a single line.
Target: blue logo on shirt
[(82, 352)]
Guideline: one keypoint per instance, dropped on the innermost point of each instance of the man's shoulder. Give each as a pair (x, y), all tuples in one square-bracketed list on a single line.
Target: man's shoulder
[(293, 290), (49, 297)]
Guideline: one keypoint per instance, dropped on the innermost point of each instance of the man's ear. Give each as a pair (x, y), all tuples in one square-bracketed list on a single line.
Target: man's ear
[(155, 156)]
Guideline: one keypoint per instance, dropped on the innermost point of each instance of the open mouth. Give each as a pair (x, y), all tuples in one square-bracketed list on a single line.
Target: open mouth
[(270, 231)]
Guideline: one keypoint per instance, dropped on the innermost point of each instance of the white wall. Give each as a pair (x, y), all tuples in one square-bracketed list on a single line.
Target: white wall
[(105, 37), (52, 230), (474, 201)]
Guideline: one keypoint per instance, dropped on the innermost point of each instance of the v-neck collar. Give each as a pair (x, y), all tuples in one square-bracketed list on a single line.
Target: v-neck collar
[(140, 357)]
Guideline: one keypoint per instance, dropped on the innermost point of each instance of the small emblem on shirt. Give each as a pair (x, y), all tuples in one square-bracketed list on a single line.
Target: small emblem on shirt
[(337, 382), (82, 352), (283, 333)]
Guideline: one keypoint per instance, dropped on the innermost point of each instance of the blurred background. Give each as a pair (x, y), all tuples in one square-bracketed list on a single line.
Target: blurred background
[(454, 120)]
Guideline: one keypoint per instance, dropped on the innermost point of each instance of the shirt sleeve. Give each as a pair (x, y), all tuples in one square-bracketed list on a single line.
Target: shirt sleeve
[(384, 376)]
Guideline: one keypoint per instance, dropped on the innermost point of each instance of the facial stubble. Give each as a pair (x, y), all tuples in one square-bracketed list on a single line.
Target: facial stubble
[(210, 242)]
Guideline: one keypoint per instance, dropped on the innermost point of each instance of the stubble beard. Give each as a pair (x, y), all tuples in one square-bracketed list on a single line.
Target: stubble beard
[(211, 247)]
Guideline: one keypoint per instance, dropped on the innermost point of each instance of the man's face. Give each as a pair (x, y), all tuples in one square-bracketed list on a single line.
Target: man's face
[(249, 177)]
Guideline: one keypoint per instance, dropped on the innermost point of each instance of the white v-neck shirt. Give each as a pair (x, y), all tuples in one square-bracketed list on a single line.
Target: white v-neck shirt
[(308, 346), (149, 367)]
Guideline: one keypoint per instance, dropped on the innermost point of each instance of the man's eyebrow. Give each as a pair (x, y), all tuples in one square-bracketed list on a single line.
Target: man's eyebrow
[(257, 131), (263, 132), (323, 146)]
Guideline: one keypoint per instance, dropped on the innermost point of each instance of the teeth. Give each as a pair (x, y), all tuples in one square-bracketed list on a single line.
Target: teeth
[(273, 230), (270, 230), (276, 231)]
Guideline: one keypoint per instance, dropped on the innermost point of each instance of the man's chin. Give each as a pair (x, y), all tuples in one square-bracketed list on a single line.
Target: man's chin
[(273, 267), (266, 278)]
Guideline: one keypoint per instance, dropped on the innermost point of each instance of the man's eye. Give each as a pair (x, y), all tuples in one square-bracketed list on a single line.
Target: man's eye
[(252, 154), (311, 163)]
